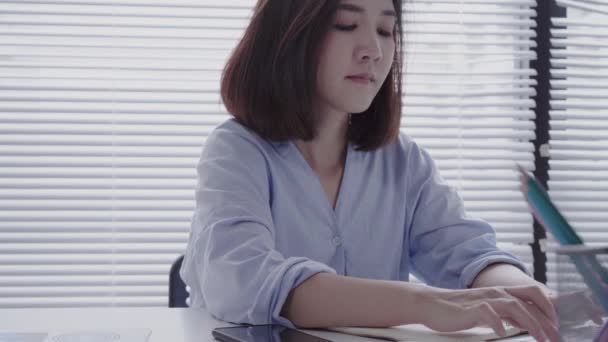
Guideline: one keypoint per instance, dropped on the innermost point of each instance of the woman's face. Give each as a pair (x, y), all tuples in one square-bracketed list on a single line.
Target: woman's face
[(356, 55)]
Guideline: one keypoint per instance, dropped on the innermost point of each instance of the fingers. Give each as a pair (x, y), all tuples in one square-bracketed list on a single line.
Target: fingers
[(535, 295), (489, 317), (523, 318), (527, 316), (539, 306), (549, 328)]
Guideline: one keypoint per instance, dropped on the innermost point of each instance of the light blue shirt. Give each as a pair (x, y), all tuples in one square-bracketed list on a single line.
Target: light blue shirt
[(263, 224)]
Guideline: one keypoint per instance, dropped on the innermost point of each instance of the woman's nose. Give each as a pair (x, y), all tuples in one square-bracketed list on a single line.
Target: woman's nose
[(369, 48)]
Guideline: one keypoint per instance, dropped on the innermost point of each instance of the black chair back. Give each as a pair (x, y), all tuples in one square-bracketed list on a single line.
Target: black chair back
[(177, 288)]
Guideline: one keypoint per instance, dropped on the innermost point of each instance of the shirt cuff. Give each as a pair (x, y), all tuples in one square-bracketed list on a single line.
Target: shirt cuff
[(295, 275)]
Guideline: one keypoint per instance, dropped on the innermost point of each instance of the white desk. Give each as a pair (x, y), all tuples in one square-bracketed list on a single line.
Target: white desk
[(167, 325)]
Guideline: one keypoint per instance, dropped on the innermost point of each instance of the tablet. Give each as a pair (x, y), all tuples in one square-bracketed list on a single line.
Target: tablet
[(263, 333)]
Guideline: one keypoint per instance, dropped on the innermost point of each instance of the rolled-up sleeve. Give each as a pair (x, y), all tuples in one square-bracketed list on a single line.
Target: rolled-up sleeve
[(447, 248), (231, 264)]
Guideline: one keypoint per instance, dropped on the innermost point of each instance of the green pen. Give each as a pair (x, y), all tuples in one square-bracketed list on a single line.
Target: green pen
[(543, 209), (546, 212)]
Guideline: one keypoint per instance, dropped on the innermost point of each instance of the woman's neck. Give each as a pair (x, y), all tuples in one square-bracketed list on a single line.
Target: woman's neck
[(326, 153)]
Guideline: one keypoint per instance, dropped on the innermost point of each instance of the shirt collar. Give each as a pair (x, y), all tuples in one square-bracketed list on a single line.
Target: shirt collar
[(282, 147)]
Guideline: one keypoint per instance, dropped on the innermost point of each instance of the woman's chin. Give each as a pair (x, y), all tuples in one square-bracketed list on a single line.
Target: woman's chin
[(359, 110), (356, 108)]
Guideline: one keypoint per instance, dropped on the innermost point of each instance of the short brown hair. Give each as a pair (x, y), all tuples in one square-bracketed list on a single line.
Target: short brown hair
[(269, 82)]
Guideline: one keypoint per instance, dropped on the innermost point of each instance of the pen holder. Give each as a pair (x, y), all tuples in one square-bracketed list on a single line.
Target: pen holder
[(582, 279)]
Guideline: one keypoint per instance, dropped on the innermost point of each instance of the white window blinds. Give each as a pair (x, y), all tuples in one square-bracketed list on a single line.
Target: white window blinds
[(105, 105), (579, 121), (467, 99)]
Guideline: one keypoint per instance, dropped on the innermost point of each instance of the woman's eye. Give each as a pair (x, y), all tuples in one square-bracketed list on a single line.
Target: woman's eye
[(382, 32), (385, 33), (345, 27)]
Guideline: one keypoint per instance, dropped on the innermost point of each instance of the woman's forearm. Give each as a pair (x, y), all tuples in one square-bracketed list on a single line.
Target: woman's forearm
[(329, 300), (508, 275), (502, 274)]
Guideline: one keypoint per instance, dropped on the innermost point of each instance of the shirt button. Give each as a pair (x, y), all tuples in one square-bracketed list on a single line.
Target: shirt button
[(336, 240)]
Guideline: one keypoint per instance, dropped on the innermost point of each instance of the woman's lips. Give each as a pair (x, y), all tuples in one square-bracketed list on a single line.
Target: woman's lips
[(359, 79)]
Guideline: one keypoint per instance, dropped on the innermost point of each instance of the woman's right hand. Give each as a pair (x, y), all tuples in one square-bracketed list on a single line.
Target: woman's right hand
[(525, 307)]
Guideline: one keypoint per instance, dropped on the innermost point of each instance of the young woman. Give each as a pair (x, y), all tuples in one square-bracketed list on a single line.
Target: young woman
[(312, 208)]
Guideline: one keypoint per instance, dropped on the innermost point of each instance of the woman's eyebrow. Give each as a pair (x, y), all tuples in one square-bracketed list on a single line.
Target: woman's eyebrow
[(357, 9)]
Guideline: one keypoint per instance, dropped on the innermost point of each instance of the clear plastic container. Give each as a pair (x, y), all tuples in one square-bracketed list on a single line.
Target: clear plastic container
[(576, 297)]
